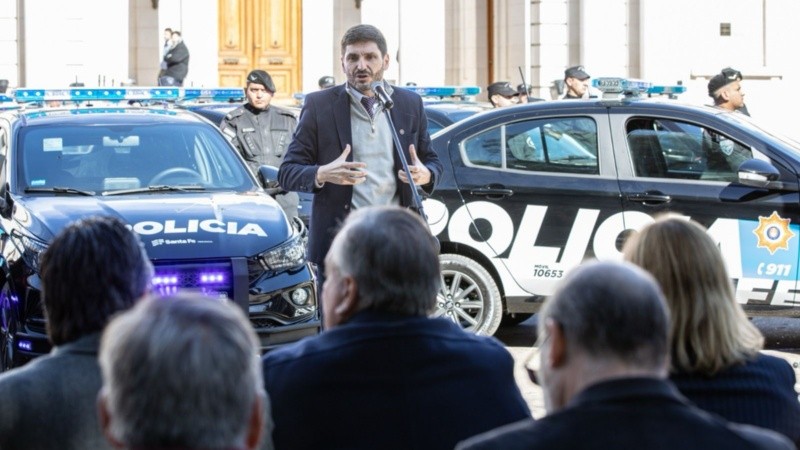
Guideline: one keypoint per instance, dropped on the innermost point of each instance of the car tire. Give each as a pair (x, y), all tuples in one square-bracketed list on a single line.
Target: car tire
[(469, 295)]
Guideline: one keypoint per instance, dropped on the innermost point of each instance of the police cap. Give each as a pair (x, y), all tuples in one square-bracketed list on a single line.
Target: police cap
[(501, 88), (261, 77), (722, 79), (576, 72), (326, 82)]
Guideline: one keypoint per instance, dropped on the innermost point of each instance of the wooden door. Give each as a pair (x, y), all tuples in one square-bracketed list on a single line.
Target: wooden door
[(261, 34)]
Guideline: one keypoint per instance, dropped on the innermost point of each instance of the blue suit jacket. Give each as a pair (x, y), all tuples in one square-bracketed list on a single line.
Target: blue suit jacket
[(628, 414), (759, 392), (321, 135), (383, 381)]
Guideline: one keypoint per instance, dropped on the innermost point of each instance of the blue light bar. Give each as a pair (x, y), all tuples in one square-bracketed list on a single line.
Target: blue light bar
[(7, 103), (215, 94), (445, 91), (666, 90), (95, 94), (621, 85)]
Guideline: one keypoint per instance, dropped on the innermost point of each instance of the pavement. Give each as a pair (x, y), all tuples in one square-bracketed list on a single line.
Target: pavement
[(782, 339)]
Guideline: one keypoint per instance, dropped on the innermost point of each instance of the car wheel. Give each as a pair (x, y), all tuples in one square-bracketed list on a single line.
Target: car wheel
[(469, 295), (8, 327)]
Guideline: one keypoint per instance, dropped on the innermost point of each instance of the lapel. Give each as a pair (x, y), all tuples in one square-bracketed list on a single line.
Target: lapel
[(399, 125), (341, 118)]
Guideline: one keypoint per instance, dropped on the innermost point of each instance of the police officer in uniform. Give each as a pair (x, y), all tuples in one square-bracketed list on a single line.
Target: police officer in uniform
[(261, 132)]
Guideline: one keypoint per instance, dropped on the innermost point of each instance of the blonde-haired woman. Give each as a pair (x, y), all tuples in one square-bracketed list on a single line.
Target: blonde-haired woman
[(716, 360)]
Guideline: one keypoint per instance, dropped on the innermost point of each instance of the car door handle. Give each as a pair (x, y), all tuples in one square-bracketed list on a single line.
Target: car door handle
[(646, 197), (492, 192)]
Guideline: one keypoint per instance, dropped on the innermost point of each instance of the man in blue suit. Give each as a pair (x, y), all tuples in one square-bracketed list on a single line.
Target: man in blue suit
[(343, 151), (385, 375)]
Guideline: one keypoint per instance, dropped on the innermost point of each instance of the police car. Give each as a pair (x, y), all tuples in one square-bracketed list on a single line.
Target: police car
[(530, 191), (446, 105), (204, 220), (215, 108)]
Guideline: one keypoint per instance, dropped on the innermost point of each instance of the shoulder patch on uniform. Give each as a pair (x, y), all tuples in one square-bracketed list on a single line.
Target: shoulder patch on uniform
[(285, 111), (235, 113)]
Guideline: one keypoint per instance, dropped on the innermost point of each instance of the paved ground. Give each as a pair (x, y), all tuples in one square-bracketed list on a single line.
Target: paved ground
[(782, 337)]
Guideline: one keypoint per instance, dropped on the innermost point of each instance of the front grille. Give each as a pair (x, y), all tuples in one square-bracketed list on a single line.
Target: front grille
[(210, 278)]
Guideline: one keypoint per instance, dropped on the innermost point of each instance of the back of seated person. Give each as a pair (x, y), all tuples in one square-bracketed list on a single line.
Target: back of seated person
[(716, 360), (385, 374), (603, 355), (182, 372)]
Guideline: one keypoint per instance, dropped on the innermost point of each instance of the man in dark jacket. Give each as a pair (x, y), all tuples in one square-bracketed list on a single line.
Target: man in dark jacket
[(343, 151), (385, 375), (177, 61), (602, 362), (93, 269), (262, 132)]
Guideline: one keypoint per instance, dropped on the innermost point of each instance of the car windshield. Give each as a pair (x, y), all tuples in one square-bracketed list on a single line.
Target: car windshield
[(792, 141), (118, 159)]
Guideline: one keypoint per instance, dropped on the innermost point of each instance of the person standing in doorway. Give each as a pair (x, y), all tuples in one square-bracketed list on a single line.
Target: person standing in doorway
[(165, 49), (177, 62)]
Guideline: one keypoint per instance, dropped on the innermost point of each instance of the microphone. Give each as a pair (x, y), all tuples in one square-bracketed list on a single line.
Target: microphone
[(381, 94)]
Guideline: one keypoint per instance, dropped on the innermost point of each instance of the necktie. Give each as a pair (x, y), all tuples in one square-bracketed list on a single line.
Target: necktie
[(368, 103)]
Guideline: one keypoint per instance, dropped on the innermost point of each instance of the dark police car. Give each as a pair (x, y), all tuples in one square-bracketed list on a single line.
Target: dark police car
[(446, 105), (530, 191), (443, 114), (204, 220)]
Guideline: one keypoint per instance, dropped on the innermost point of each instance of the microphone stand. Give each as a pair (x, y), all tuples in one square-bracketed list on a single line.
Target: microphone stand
[(414, 192)]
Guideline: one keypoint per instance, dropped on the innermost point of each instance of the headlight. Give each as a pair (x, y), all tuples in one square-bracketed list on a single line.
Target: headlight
[(300, 296), (32, 249), (291, 253)]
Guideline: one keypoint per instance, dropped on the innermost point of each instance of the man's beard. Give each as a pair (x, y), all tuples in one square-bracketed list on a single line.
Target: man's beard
[(366, 86)]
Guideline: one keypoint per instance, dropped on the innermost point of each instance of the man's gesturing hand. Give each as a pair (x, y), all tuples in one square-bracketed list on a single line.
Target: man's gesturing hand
[(340, 171), (419, 173)]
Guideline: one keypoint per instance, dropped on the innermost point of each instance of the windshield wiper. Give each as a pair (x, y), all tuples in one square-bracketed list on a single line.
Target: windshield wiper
[(59, 190), (158, 188)]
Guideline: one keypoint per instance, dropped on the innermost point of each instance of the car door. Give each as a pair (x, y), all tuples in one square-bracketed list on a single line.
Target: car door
[(688, 164), (538, 189)]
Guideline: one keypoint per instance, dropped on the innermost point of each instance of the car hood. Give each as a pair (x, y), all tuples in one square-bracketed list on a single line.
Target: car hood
[(182, 226)]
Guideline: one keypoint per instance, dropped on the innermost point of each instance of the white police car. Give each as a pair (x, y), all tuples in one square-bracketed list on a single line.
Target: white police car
[(530, 191), (204, 220)]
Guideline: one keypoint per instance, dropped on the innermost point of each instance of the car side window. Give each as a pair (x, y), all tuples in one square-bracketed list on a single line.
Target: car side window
[(485, 149), (661, 148), (566, 145)]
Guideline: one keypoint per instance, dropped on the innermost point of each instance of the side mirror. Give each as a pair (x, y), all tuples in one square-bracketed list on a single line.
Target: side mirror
[(757, 173), (268, 176)]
